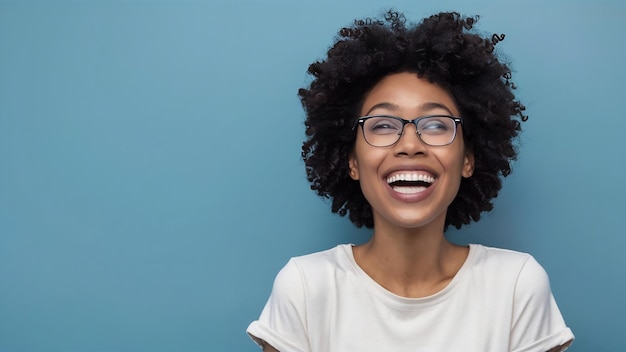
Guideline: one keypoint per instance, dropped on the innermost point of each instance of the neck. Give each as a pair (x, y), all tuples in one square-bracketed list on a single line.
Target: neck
[(410, 262)]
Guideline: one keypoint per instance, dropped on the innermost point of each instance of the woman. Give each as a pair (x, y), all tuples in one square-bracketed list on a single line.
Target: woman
[(410, 129)]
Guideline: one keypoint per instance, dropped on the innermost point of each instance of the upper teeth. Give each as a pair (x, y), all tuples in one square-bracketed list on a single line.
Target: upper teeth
[(410, 177)]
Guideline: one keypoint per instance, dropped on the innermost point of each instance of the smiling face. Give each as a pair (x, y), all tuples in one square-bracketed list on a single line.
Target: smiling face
[(409, 184)]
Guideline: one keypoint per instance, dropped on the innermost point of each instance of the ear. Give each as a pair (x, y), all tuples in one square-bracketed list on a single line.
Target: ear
[(468, 164), (354, 168)]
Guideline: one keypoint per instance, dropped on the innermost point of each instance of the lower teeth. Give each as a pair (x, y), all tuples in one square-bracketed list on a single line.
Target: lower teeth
[(409, 190)]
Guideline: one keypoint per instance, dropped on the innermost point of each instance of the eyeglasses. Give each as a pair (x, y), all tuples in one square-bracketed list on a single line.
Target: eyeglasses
[(383, 130)]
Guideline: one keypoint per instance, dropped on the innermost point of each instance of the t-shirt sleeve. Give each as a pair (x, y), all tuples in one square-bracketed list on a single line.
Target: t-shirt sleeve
[(282, 323), (537, 324)]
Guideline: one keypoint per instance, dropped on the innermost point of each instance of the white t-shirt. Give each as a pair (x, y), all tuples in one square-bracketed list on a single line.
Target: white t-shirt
[(500, 300)]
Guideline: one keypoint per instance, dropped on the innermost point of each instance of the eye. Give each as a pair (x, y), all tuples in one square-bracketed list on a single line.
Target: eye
[(435, 125), (383, 125)]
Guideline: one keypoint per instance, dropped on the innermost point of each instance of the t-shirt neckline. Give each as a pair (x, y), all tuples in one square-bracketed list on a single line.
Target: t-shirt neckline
[(406, 303)]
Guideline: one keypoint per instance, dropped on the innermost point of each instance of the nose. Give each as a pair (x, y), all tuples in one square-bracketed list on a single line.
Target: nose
[(410, 142)]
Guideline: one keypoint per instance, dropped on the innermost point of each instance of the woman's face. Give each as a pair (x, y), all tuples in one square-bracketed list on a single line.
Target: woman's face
[(386, 173)]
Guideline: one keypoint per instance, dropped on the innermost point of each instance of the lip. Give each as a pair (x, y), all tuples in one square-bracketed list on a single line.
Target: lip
[(412, 197)]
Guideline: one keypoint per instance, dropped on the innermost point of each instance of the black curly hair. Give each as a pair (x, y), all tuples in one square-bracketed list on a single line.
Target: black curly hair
[(444, 49)]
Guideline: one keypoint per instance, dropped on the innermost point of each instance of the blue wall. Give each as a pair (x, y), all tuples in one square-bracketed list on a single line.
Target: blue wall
[(150, 176)]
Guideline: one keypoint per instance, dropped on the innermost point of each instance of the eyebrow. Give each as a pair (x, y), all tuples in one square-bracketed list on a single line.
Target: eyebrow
[(426, 106)]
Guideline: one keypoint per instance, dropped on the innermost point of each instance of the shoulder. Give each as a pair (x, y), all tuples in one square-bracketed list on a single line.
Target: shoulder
[(492, 255), (519, 270), (528, 278), (503, 261), (329, 259), (314, 267)]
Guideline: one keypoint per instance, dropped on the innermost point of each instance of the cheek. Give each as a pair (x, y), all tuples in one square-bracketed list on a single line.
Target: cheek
[(454, 162), (368, 159), (365, 161)]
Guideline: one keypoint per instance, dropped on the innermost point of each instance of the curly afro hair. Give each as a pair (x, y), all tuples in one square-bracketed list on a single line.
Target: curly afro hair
[(443, 49)]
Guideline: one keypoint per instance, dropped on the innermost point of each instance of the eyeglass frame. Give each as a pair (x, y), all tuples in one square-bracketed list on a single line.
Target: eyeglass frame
[(361, 121)]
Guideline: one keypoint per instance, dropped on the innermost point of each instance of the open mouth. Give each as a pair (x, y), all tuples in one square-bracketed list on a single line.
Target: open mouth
[(410, 183)]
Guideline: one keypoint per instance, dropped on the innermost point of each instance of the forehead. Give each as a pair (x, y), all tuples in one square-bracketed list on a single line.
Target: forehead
[(406, 93)]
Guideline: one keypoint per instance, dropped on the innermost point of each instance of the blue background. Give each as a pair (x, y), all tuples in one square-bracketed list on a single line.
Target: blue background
[(150, 176)]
